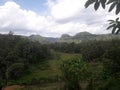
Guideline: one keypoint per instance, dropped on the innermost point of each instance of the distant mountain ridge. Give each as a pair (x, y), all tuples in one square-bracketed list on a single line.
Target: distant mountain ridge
[(79, 37)]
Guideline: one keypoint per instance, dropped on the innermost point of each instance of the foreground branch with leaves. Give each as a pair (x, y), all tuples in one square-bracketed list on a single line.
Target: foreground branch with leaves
[(114, 4)]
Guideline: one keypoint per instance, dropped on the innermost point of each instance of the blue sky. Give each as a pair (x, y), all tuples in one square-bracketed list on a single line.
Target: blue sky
[(51, 18), (35, 5)]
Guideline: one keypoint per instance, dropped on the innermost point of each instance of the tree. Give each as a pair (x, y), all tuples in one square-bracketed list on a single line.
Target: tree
[(11, 68), (73, 71), (114, 4), (10, 33), (112, 61)]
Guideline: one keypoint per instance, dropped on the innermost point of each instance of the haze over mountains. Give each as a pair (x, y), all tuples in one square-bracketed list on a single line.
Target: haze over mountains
[(79, 37)]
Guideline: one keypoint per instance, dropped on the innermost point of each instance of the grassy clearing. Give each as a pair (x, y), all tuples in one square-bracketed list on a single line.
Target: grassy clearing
[(46, 72)]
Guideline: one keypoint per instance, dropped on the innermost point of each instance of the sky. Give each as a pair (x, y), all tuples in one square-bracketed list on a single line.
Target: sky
[(52, 18)]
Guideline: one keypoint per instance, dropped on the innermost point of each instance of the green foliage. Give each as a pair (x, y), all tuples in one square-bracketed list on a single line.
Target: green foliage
[(110, 84), (16, 55), (112, 61), (115, 25), (96, 3), (73, 71), (93, 50), (114, 4)]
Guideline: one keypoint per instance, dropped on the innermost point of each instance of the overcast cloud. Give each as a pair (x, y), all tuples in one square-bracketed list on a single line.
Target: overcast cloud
[(61, 16)]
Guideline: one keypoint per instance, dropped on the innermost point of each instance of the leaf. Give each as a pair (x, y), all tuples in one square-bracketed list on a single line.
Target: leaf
[(112, 6), (111, 26), (117, 19), (103, 3), (88, 3), (110, 1), (118, 31), (110, 20), (117, 8), (97, 4), (114, 29)]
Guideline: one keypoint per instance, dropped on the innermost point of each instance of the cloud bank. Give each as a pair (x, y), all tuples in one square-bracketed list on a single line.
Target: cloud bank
[(63, 16)]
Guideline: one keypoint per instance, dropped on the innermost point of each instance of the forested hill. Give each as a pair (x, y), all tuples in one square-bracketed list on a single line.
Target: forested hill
[(79, 37)]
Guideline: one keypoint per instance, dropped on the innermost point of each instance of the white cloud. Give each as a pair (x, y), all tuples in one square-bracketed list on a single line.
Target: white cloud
[(66, 9), (15, 18), (64, 16)]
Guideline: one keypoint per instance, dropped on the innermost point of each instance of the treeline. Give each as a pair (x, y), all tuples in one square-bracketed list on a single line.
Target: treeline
[(17, 53), (90, 50)]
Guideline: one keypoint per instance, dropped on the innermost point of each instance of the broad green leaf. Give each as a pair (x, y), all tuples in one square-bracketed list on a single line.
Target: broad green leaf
[(112, 6), (118, 8), (110, 20), (117, 19), (111, 1), (97, 4), (103, 3), (118, 31), (89, 2), (114, 29), (111, 26)]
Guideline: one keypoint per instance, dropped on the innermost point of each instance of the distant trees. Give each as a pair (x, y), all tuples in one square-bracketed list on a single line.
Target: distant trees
[(66, 47), (10, 33), (90, 50)]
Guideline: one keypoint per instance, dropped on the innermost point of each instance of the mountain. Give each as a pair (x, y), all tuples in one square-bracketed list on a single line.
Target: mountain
[(38, 38), (86, 36), (79, 37), (42, 39), (65, 36), (51, 39)]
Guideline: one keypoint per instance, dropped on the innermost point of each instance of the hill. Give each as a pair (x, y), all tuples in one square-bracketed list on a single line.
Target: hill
[(79, 37), (86, 36)]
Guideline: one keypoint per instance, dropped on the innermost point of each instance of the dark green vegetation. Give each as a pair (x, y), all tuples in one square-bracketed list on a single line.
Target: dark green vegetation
[(89, 65), (16, 56)]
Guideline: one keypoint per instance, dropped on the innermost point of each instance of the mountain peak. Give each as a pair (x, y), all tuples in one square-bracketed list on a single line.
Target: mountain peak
[(83, 33), (65, 36)]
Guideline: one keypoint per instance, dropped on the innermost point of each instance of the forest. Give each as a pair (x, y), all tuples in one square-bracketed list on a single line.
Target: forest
[(90, 65)]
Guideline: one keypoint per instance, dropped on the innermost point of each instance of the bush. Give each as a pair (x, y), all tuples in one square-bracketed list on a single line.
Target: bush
[(73, 71), (110, 84), (112, 61)]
